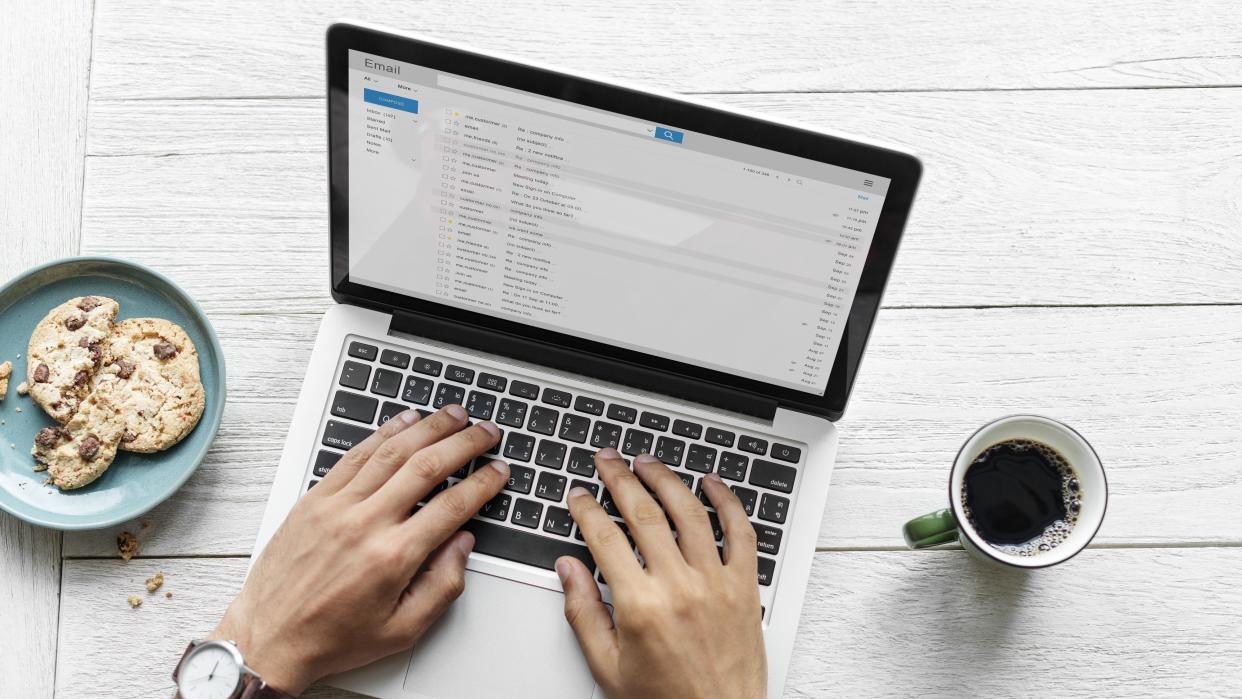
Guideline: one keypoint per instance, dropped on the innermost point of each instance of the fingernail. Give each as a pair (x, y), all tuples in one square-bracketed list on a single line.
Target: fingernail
[(713, 476), (456, 411), (465, 544), (500, 466), (409, 417), (646, 459), (490, 428), (608, 453), (562, 571), (578, 491)]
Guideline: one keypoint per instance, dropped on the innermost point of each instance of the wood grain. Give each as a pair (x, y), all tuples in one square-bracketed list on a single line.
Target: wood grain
[(1026, 198), (875, 624), (1155, 390), (258, 50)]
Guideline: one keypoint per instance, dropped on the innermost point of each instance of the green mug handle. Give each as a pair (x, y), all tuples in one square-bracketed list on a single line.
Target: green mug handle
[(932, 529)]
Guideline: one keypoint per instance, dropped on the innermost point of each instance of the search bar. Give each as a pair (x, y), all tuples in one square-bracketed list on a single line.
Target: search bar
[(544, 104)]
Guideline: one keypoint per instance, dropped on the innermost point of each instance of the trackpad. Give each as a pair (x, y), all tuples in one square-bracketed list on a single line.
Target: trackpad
[(500, 638)]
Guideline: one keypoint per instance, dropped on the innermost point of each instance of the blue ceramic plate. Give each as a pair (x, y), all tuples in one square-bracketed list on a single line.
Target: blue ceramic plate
[(134, 483)]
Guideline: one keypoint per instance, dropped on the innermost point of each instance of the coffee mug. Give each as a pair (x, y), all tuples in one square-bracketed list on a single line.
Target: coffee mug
[(1025, 431)]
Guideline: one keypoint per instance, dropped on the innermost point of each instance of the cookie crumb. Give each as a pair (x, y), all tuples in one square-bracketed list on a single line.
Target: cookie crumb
[(6, 368), (23, 389), (153, 583), (167, 595), (18, 408), (134, 601), (127, 545), (38, 467)]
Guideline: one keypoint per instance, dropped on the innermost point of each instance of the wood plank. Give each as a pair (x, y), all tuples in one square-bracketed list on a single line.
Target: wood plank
[(1096, 197), (1167, 434), (44, 72), (251, 49), (1133, 621)]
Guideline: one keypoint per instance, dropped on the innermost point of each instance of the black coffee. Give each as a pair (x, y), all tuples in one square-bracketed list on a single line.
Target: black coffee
[(1021, 496)]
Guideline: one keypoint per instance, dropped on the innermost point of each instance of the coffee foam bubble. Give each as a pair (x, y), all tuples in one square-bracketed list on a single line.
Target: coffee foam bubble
[(1071, 491)]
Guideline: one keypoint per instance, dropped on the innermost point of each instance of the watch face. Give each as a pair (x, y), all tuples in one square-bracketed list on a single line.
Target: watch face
[(210, 672)]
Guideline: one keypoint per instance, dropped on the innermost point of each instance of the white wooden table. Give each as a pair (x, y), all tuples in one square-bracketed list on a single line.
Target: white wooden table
[(1076, 251)]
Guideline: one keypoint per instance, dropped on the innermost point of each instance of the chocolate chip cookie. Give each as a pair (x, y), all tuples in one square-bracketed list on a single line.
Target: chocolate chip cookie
[(65, 351), (80, 451)]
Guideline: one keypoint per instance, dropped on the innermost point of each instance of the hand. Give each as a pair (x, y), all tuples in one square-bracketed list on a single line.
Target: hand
[(351, 577), (687, 625)]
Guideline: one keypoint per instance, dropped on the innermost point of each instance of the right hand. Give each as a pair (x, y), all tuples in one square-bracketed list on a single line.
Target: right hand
[(687, 625)]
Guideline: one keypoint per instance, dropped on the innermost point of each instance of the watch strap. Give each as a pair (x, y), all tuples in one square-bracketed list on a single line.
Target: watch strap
[(256, 688)]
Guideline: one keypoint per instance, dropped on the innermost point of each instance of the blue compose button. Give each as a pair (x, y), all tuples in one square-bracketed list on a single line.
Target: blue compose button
[(667, 134), (384, 99)]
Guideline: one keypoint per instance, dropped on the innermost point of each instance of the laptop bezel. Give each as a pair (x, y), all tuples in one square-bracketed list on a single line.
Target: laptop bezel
[(589, 357)]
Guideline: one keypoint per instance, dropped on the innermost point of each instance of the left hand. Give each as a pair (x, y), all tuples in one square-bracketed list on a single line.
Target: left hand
[(351, 577)]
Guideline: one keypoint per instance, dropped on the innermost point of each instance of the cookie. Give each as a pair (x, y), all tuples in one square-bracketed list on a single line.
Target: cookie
[(65, 350), (6, 370), (152, 366), (80, 451)]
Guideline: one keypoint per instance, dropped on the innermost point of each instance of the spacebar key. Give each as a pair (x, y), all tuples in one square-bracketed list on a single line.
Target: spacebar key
[(539, 551)]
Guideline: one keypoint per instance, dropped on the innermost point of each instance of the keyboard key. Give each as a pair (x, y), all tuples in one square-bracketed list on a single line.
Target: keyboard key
[(574, 428), (417, 390), (669, 450), (609, 505), (721, 437), (460, 374), (521, 389), (713, 520), (543, 420), (689, 430), (593, 406), (784, 452), (637, 442), (363, 351), (753, 445), (448, 394), (465, 469), (426, 366), (390, 410), (624, 413), (512, 413), (701, 458), (551, 396), (343, 435), (493, 382), (769, 538), (400, 360), (581, 462), (496, 508), (520, 446), (524, 547), (526, 513), (767, 570), (521, 479), (311, 485), (558, 521), (480, 405), (733, 466), (747, 496), (551, 486), (773, 476), (354, 407), (355, 375), (773, 508), (386, 383), (654, 421), (605, 434), (550, 454), (591, 486), (686, 478), (324, 461), (702, 494)]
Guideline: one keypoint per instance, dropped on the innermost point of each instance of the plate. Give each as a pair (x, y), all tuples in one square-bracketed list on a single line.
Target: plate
[(134, 483)]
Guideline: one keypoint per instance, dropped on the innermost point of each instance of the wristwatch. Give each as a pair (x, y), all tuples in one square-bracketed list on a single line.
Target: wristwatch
[(215, 670)]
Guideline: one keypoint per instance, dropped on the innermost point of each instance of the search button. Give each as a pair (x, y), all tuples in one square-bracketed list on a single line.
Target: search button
[(666, 134)]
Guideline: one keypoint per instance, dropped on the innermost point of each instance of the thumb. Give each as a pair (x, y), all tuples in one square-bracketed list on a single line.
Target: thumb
[(589, 618), (435, 587)]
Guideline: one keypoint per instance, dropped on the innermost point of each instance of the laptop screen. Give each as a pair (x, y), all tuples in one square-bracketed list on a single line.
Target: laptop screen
[(641, 235)]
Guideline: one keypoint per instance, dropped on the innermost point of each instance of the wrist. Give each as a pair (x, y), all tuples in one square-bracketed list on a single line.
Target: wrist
[(273, 662)]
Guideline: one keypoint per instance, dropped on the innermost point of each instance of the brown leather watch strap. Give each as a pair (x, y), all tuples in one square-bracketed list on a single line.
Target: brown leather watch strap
[(258, 689)]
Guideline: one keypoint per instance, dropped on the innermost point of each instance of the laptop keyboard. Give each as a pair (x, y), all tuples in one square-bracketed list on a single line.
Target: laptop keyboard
[(549, 436)]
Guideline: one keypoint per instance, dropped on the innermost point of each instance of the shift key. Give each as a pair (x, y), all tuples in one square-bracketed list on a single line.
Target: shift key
[(344, 436), (773, 476)]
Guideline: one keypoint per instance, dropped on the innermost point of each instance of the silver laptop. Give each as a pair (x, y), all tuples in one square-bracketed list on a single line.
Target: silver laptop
[(588, 265)]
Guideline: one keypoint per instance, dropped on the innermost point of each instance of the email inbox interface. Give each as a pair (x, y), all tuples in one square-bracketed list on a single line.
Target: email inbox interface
[(640, 235)]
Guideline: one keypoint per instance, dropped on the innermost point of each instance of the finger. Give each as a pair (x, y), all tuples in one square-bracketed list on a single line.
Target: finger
[(646, 519), (452, 507), (609, 545), (442, 580), (390, 455), (345, 469), (429, 466), (739, 534), (589, 618), (694, 531)]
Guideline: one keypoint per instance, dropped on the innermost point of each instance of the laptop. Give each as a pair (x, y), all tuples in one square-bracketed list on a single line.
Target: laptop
[(588, 265)]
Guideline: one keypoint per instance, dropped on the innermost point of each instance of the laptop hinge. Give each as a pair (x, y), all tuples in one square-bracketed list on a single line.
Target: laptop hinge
[(584, 363)]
